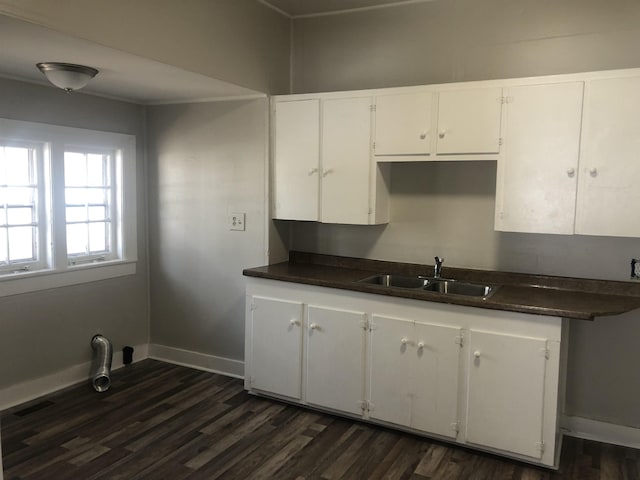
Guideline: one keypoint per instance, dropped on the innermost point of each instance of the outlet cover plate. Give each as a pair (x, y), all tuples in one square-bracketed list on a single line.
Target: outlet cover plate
[(635, 273), (236, 221)]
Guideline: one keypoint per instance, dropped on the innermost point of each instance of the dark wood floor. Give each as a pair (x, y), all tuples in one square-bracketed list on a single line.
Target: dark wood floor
[(161, 421)]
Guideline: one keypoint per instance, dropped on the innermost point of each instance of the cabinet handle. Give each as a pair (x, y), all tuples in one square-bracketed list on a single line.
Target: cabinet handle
[(420, 345), (423, 135), (593, 172), (327, 172), (312, 171), (404, 341), (571, 172), (442, 133), (476, 354), (294, 322), (314, 326)]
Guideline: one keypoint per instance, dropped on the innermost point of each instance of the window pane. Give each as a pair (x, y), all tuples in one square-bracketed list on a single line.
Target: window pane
[(75, 196), (97, 237), (97, 213), (3, 245), (97, 170), (20, 216), (77, 239), (96, 196), (3, 218), (18, 196), (75, 169), (18, 166), (76, 214), (21, 243)]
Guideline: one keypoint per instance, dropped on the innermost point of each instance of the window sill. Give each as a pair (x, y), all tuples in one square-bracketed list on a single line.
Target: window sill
[(45, 279)]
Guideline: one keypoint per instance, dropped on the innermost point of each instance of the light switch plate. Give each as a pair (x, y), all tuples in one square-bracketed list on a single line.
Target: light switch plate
[(236, 221)]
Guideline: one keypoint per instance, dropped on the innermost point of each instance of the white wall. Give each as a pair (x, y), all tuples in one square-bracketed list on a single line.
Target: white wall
[(44, 332), (206, 161), (446, 208)]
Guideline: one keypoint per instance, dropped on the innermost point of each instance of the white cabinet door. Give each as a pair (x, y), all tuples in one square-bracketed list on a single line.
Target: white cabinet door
[(392, 357), (506, 392), (609, 186), (414, 375), (335, 359), (469, 121), (346, 160), (276, 346), (435, 379), (296, 159), (403, 124), (537, 175)]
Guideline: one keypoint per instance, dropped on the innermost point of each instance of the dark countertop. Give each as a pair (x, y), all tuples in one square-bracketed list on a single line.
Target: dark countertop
[(577, 298)]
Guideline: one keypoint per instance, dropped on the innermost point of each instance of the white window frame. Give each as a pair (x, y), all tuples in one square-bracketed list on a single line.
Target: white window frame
[(57, 270)]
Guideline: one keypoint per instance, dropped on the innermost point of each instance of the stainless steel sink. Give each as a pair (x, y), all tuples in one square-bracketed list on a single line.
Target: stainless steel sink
[(460, 288), (431, 284), (397, 281)]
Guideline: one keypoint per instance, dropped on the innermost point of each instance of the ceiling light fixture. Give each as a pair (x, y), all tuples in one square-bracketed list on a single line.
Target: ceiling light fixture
[(67, 76)]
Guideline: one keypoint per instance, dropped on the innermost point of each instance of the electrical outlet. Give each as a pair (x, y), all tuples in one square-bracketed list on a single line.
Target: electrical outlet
[(635, 268), (236, 221)]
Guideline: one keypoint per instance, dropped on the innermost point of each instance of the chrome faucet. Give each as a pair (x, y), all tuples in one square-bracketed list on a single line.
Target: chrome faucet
[(437, 268)]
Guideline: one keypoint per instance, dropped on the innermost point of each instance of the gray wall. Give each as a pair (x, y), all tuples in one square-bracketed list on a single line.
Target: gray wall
[(447, 208), (238, 41), (47, 331), (206, 161)]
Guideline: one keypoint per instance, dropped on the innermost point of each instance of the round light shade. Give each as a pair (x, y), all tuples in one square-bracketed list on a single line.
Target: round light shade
[(67, 76)]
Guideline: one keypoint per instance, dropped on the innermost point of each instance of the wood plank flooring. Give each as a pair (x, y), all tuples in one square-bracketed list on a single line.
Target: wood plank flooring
[(161, 421)]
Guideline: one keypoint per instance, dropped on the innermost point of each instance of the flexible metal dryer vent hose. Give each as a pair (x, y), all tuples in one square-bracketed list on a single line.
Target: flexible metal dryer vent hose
[(101, 370)]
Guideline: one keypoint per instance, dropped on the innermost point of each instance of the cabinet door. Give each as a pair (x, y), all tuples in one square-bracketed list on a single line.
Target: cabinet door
[(296, 159), (609, 188), (506, 389), (403, 124), (346, 160), (469, 121), (537, 176), (335, 359), (434, 379), (276, 323), (392, 356)]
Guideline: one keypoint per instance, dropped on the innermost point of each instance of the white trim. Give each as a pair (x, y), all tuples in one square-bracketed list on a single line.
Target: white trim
[(232, 98), (32, 389), (274, 8), (340, 12), (599, 431), (199, 361)]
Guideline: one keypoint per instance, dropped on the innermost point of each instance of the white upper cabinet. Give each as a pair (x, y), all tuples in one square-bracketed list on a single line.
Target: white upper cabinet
[(323, 169), (537, 175), (438, 125), (469, 121), (609, 183), (403, 124), (297, 159)]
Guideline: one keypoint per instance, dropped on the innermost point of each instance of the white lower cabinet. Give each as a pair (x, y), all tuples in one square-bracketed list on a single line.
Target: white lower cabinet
[(488, 379), (425, 395), (335, 358), (499, 364)]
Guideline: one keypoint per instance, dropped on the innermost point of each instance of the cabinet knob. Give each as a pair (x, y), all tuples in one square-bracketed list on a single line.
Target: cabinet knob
[(476, 354), (420, 345), (294, 322), (442, 133), (404, 341), (314, 326), (593, 172), (423, 135), (312, 171), (327, 172), (571, 172)]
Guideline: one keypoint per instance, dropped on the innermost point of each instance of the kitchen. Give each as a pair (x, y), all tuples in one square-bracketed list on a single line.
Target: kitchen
[(413, 43)]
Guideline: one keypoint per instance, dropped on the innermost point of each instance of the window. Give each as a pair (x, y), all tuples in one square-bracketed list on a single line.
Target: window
[(67, 206)]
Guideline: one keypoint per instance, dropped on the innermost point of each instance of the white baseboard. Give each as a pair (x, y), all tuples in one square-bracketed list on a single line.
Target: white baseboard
[(612, 433), (32, 389), (200, 361)]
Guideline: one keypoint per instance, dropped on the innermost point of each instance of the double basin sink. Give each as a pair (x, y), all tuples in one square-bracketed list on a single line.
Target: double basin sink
[(445, 286)]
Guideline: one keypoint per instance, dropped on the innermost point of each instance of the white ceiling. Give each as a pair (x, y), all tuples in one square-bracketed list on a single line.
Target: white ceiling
[(301, 8), (122, 75)]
